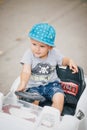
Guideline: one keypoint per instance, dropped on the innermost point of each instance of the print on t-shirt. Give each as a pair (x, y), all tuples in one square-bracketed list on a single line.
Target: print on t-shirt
[(42, 72)]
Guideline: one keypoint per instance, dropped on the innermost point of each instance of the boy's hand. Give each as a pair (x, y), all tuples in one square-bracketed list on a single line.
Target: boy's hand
[(67, 61), (20, 88), (73, 66)]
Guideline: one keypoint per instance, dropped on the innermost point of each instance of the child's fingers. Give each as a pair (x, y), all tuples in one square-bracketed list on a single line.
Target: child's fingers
[(74, 69)]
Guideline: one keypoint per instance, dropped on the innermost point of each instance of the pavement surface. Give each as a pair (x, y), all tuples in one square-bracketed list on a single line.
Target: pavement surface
[(69, 17)]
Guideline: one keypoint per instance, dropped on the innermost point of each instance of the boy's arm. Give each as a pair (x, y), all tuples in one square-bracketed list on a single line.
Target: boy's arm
[(69, 62), (24, 77)]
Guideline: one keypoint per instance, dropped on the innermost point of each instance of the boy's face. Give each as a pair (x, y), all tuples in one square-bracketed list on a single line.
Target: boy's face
[(39, 49)]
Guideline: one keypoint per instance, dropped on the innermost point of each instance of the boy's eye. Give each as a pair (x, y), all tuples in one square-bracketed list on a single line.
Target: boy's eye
[(42, 46), (34, 44)]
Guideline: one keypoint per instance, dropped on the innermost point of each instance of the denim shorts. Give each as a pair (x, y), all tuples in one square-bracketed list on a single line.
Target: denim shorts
[(48, 90)]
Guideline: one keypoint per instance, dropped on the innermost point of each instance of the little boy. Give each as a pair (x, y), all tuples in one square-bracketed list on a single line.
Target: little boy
[(39, 66)]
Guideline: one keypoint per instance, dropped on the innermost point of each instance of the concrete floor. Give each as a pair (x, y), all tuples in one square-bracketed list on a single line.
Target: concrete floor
[(69, 17)]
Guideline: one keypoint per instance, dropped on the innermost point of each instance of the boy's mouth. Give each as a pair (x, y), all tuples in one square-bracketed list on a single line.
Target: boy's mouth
[(37, 53)]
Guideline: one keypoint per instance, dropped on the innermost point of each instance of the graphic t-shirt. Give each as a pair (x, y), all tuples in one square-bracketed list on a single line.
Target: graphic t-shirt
[(43, 71)]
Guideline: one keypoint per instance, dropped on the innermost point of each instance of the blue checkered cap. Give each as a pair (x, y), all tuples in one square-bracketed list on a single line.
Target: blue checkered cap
[(43, 32)]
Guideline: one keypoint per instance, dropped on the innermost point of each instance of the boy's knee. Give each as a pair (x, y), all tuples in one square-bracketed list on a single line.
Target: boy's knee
[(58, 97)]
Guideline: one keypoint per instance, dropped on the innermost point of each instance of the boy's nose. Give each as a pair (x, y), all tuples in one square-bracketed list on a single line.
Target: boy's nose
[(37, 48)]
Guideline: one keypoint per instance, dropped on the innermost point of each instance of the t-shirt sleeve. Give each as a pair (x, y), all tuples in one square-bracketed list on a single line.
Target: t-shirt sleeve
[(59, 57), (26, 59)]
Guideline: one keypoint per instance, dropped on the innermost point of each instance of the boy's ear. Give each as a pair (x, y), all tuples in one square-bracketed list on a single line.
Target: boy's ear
[(50, 47)]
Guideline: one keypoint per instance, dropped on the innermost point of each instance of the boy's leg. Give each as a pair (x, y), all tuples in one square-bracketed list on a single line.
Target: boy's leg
[(34, 90), (58, 101), (55, 93), (36, 102)]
